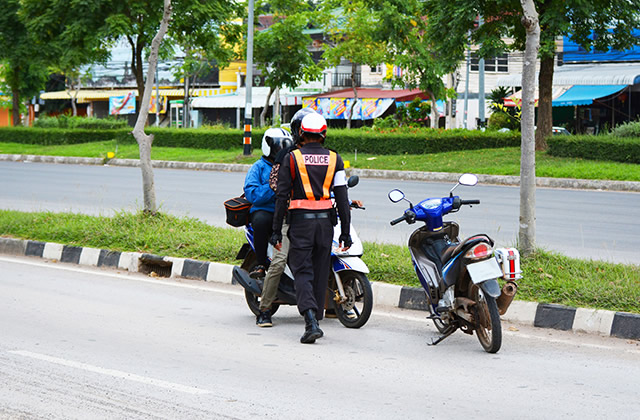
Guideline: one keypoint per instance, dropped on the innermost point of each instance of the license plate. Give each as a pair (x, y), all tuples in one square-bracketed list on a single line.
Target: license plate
[(484, 270)]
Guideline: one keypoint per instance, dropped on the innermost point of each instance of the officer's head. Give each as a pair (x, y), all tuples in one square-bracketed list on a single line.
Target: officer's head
[(296, 121), (274, 140), (313, 128)]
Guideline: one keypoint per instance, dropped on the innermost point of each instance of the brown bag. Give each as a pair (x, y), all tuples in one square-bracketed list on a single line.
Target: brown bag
[(238, 209)]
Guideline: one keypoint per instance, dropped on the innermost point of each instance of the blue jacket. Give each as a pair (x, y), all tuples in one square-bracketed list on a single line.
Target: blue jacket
[(256, 186)]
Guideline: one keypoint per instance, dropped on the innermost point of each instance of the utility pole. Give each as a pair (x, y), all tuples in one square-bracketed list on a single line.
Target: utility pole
[(466, 89), (157, 99), (248, 81), (481, 101)]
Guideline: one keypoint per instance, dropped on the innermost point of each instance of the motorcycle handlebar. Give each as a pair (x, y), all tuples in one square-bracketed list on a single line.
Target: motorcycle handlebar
[(469, 202), (398, 220)]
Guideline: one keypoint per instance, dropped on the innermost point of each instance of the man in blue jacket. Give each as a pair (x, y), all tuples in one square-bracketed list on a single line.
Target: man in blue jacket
[(262, 197)]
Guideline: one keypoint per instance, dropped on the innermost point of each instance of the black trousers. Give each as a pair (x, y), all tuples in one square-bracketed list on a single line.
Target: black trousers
[(261, 221), (309, 260)]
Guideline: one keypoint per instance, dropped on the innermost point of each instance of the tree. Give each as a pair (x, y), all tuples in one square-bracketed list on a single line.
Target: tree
[(281, 51), (403, 24), (599, 24), (352, 37), (146, 140), (22, 64), (527, 230)]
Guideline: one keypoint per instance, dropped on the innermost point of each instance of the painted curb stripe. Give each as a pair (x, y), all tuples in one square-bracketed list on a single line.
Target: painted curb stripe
[(413, 298), (108, 258), (626, 325), (195, 269), (558, 317), (34, 249), (13, 246), (71, 254)]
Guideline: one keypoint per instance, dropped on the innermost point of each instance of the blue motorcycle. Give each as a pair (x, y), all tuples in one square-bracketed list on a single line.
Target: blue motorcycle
[(460, 277)]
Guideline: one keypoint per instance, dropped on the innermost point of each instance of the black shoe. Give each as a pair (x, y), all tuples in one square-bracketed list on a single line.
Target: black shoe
[(312, 330), (258, 272), (264, 319)]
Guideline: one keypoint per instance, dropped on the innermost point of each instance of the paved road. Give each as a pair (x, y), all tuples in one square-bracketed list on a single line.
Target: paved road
[(585, 224), (88, 343)]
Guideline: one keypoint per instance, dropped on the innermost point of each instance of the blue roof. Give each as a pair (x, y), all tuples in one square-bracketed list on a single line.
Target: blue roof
[(585, 94)]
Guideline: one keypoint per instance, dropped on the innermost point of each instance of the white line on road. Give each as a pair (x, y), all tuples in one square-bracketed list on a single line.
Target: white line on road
[(111, 372)]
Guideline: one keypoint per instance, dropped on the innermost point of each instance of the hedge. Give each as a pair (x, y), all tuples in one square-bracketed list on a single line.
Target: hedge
[(419, 141), (618, 149)]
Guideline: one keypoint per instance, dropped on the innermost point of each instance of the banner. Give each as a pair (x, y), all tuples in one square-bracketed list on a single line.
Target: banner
[(339, 108), (120, 105), (162, 103)]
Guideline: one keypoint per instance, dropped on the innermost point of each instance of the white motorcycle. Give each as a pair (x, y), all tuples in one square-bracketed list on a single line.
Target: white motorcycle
[(349, 290)]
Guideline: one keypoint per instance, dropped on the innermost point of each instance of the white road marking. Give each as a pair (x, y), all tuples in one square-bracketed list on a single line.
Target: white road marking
[(112, 372), (129, 276)]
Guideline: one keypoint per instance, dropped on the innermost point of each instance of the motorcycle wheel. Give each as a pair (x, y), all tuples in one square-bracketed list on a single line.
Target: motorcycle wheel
[(253, 300), (355, 312), (488, 328)]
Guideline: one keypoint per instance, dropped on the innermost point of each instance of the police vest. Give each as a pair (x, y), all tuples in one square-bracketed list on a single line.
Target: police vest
[(311, 203)]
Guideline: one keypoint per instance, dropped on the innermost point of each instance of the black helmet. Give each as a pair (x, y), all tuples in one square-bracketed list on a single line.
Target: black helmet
[(274, 140), (296, 122)]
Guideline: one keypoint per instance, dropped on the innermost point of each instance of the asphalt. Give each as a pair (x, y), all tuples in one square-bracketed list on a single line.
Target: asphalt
[(606, 323), (568, 183)]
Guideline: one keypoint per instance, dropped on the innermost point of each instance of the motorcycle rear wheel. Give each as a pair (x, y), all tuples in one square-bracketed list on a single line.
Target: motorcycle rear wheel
[(488, 328), (355, 312), (253, 300)]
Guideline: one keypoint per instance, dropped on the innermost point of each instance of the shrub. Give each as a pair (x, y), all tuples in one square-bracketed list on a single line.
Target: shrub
[(618, 149), (392, 141), (65, 121), (630, 129)]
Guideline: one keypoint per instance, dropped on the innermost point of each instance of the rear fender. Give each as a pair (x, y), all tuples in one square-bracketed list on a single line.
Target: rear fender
[(491, 287)]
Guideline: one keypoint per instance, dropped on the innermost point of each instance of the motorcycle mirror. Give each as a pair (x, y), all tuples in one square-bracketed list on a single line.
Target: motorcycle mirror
[(396, 195), (353, 181), (468, 179)]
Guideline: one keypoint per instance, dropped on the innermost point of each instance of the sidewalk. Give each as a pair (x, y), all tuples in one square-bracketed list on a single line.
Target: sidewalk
[(600, 322), (583, 184)]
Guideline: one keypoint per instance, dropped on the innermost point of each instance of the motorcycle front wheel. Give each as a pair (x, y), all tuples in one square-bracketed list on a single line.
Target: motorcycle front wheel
[(487, 320), (356, 310)]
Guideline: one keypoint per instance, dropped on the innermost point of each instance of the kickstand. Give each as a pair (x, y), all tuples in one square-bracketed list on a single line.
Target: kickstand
[(446, 334)]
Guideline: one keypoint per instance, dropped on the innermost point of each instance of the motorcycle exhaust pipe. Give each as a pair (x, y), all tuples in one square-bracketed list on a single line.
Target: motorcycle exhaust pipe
[(509, 291)]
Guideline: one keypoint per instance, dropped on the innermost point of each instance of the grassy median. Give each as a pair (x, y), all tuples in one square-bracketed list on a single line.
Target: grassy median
[(548, 277), (501, 161)]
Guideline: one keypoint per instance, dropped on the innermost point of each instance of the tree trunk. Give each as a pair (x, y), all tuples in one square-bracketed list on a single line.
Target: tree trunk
[(16, 108), (545, 115), (263, 113), (145, 140), (527, 230), (435, 116), (355, 94)]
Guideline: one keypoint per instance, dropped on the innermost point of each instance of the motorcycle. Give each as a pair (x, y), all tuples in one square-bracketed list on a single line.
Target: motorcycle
[(460, 277), (349, 291)]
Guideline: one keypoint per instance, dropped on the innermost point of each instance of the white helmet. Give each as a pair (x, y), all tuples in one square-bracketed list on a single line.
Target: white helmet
[(314, 123), (274, 140)]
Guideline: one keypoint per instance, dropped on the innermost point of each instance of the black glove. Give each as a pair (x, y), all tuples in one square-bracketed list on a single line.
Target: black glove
[(345, 240), (276, 238)]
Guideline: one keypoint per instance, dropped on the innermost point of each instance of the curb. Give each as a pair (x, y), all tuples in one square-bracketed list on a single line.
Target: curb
[(594, 321), (568, 183)]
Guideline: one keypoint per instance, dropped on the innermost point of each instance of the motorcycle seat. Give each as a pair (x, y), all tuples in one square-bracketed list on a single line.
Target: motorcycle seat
[(446, 253)]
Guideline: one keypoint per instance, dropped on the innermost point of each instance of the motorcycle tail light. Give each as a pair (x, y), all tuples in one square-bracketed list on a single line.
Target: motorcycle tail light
[(482, 250)]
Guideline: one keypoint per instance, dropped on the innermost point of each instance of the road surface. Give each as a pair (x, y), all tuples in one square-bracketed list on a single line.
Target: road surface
[(91, 343)]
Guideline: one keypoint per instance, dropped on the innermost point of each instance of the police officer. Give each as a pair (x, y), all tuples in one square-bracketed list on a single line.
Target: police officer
[(307, 177)]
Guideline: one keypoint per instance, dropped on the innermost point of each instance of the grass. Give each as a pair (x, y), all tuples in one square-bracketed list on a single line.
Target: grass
[(548, 277), (502, 161)]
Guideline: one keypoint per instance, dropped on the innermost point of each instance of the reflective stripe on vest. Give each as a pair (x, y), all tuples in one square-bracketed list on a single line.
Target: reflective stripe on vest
[(311, 203)]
